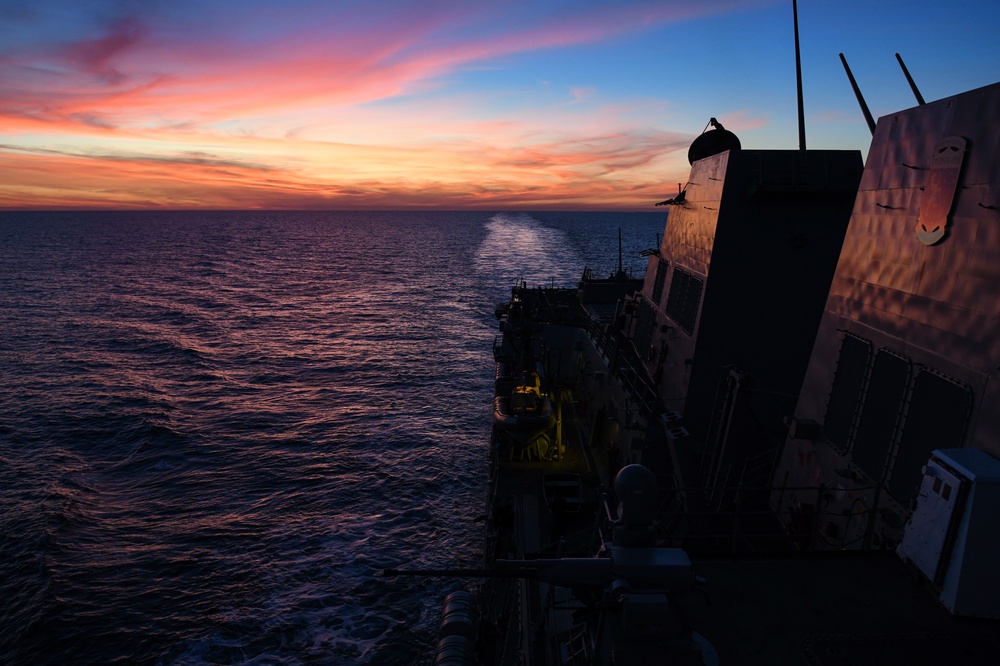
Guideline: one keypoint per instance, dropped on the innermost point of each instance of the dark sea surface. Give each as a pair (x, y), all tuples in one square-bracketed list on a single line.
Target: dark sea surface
[(217, 428)]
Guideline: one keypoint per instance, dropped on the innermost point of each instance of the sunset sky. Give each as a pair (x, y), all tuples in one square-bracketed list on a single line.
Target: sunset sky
[(441, 104)]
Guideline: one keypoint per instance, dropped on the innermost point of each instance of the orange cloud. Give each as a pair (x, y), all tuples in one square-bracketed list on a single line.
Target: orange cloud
[(318, 175)]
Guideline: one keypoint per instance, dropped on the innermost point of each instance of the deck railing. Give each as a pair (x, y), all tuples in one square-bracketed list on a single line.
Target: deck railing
[(759, 519), (624, 362)]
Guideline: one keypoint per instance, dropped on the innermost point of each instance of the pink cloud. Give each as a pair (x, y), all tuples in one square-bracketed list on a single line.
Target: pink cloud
[(207, 94), (95, 56), (133, 67)]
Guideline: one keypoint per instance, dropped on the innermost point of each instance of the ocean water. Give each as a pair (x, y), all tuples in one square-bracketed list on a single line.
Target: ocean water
[(216, 428)]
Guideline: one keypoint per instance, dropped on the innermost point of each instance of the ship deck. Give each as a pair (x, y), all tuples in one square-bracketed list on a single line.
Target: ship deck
[(847, 608), (524, 481), (779, 606)]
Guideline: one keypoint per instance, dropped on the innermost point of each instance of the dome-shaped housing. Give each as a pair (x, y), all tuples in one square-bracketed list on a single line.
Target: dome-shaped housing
[(635, 487), (714, 141)]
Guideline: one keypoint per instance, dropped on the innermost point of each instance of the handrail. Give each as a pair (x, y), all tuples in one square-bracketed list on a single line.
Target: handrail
[(732, 529), (626, 366)]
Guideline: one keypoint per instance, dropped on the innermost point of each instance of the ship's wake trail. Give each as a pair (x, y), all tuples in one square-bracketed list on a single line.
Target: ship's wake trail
[(519, 247)]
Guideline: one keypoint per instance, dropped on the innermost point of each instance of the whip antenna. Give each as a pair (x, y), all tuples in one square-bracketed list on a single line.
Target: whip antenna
[(909, 79), (857, 93)]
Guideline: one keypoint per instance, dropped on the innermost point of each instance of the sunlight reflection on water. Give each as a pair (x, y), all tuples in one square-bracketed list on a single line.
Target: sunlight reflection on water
[(220, 426)]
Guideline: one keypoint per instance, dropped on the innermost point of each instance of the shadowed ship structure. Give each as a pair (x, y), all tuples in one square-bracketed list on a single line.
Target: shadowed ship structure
[(782, 447), (906, 358)]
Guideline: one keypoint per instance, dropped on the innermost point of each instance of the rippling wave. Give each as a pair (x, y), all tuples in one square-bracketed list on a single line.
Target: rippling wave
[(218, 427)]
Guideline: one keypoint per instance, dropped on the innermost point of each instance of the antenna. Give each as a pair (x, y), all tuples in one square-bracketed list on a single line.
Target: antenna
[(857, 93), (620, 271), (798, 77), (909, 79)]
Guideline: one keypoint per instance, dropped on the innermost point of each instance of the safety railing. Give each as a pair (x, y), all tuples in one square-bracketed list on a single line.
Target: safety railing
[(757, 519), (626, 366)]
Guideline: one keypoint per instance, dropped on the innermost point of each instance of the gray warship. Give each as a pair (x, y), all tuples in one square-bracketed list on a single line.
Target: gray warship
[(781, 446)]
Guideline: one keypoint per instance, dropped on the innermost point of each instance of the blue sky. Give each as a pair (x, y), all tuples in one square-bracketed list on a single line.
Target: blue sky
[(554, 104)]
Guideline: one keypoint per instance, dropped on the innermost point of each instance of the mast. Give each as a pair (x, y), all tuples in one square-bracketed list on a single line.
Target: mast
[(798, 77), (620, 271)]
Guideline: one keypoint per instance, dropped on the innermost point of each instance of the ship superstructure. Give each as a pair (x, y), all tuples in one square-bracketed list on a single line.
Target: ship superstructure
[(782, 449), (725, 321), (906, 358)]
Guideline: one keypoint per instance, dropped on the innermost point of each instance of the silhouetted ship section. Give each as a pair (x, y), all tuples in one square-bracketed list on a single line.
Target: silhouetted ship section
[(783, 448), (907, 353), (725, 322)]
